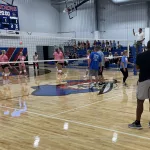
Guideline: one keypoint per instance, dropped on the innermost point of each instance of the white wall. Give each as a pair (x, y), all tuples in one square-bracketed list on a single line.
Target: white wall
[(120, 20), (31, 42), (83, 24), (37, 16)]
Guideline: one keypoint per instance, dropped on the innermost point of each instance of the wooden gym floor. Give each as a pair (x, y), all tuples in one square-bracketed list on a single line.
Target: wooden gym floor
[(94, 122)]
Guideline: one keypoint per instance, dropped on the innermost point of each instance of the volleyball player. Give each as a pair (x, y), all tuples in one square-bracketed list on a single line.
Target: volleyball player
[(123, 66), (58, 56), (4, 65), (35, 63), (22, 66), (94, 65)]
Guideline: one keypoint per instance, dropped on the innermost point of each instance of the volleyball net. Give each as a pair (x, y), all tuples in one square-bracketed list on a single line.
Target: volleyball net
[(74, 50)]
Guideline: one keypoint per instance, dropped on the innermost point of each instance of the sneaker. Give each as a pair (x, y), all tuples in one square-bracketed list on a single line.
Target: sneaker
[(135, 126), (91, 86), (102, 83), (149, 124), (125, 84)]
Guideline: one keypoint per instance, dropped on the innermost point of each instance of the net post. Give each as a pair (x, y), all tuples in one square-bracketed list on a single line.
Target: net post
[(134, 52), (128, 48)]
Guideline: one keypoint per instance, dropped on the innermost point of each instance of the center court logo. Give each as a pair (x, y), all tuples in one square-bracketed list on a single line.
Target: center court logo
[(71, 87)]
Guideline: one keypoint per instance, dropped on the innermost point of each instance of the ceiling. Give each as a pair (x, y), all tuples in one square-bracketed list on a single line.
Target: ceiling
[(128, 1), (58, 2)]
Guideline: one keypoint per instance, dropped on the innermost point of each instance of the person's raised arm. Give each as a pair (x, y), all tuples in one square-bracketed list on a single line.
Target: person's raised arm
[(133, 32)]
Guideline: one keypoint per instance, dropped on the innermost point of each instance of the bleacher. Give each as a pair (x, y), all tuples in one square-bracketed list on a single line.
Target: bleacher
[(82, 53)]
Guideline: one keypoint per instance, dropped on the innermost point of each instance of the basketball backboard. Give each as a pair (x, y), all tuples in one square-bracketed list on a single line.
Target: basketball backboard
[(7, 2), (71, 8)]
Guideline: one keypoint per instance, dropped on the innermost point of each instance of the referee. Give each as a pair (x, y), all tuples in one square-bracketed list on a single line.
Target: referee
[(143, 90)]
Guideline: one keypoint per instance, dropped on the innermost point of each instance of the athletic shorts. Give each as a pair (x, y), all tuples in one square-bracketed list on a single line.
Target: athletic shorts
[(143, 90), (59, 63), (4, 66), (93, 72), (100, 73)]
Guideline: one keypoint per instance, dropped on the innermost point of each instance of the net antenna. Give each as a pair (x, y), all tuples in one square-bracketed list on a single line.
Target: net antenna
[(10, 4)]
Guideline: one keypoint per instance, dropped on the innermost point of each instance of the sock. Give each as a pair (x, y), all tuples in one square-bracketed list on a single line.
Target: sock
[(4, 82), (7, 81)]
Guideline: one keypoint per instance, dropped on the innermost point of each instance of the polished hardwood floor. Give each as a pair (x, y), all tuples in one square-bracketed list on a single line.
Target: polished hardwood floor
[(81, 121)]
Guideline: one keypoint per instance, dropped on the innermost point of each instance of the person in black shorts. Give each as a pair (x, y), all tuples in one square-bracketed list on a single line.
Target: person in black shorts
[(143, 90), (100, 71)]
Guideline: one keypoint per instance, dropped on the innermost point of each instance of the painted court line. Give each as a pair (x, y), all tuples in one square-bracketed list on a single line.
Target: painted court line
[(88, 125), (63, 112), (93, 126), (85, 124)]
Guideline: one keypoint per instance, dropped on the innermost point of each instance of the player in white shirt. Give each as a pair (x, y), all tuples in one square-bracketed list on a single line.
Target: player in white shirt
[(88, 58), (140, 38), (35, 58), (100, 73)]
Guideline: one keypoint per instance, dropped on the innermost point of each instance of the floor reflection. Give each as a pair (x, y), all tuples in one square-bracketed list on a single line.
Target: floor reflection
[(15, 106)]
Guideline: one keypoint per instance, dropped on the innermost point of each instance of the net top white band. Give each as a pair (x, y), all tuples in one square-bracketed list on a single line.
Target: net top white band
[(40, 61)]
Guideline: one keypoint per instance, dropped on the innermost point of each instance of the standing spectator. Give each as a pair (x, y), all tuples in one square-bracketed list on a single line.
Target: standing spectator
[(140, 38), (143, 90)]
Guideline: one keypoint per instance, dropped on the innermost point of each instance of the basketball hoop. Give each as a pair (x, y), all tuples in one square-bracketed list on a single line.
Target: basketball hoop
[(71, 9)]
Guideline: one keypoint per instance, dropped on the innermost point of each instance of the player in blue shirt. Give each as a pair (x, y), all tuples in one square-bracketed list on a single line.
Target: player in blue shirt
[(94, 65), (123, 67)]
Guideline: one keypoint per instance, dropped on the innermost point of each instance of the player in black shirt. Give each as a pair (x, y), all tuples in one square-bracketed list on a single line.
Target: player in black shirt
[(143, 90)]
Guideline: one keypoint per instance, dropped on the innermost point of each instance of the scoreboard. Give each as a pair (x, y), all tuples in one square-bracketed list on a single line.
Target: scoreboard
[(9, 17)]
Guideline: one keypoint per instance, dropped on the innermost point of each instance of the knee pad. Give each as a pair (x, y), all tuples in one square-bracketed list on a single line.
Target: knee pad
[(3, 74), (24, 71), (20, 72)]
